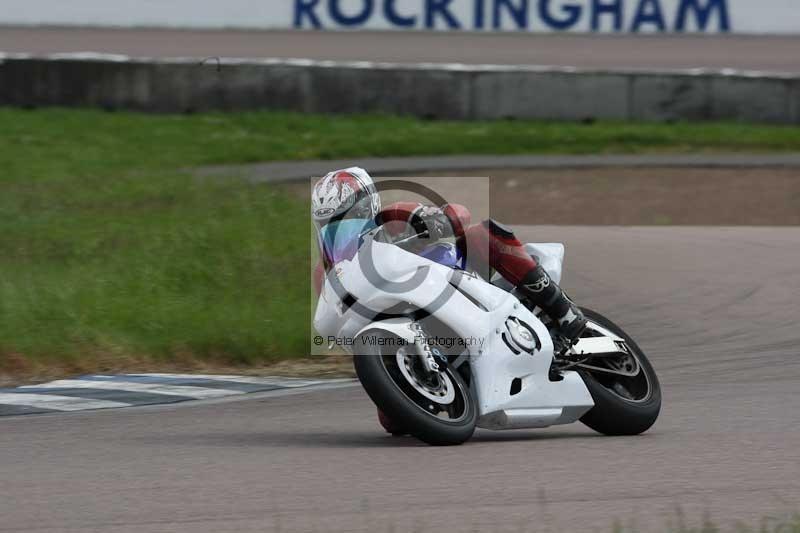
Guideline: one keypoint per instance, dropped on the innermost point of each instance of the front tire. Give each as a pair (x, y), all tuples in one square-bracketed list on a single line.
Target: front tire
[(615, 412), (404, 403)]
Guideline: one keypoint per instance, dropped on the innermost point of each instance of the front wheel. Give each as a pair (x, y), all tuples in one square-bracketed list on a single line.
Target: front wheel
[(438, 409), (627, 402)]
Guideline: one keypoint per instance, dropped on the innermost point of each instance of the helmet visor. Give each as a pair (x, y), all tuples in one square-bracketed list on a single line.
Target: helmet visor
[(340, 239)]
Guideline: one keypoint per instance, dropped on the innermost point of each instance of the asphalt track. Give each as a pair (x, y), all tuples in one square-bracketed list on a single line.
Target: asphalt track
[(771, 54), (278, 171), (715, 308)]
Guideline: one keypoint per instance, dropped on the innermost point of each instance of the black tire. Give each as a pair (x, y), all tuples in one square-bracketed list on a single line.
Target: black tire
[(612, 414), (397, 400)]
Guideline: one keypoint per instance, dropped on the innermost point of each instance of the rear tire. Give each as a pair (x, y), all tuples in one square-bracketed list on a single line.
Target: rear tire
[(403, 405), (612, 414)]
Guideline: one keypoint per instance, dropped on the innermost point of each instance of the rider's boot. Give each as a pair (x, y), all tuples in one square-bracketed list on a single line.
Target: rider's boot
[(543, 292)]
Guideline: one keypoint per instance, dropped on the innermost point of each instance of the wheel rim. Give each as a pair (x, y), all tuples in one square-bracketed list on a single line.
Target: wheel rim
[(437, 388), (633, 389), (443, 397)]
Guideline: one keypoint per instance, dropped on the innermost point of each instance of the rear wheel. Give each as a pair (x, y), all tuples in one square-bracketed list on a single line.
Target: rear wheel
[(627, 395), (438, 409)]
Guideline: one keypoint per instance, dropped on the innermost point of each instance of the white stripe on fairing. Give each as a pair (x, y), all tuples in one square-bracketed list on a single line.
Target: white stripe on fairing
[(278, 381), (172, 390), (57, 403)]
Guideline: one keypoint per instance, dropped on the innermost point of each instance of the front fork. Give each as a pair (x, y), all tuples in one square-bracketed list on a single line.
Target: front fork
[(431, 358)]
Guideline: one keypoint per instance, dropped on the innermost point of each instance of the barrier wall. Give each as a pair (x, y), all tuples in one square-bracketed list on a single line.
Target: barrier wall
[(433, 91), (601, 16)]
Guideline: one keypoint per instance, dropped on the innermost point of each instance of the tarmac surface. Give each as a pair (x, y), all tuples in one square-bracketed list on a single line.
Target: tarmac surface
[(278, 171), (715, 308), (770, 54)]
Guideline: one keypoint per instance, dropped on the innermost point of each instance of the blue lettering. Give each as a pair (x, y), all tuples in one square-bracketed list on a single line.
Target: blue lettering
[(305, 8), (479, 10), (702, 14), (573, 12), (390, 12), (648, 12), (353, 20), (442, 8), (518, 13), (614, 8)]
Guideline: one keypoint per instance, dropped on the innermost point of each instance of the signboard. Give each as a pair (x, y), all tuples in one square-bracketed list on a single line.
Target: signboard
[(540, 16)]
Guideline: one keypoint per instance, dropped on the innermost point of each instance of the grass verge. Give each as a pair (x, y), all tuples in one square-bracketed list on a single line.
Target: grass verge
[(112, 256)]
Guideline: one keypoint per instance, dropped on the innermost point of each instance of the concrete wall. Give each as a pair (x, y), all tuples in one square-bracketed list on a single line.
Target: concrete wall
[(433, 91)]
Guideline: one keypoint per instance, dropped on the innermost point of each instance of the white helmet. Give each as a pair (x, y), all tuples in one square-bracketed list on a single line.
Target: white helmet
[(344, 193)]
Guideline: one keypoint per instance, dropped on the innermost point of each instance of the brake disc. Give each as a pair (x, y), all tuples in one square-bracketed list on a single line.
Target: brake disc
[(436, 387)]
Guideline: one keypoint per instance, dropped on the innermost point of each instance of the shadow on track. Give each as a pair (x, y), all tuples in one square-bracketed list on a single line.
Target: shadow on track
[(344, 439)]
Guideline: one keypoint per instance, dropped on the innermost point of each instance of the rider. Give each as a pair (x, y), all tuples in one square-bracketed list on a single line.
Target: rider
[(351, 194)]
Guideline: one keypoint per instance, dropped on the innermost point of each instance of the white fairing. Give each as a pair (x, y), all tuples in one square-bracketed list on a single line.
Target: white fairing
[(477, 311), (550, 255)]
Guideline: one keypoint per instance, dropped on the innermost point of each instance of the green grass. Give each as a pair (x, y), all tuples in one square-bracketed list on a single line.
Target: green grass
[(110, 249), (157, 266), (68, 143)]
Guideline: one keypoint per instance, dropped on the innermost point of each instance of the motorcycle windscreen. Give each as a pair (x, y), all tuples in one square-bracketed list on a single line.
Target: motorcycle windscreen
[(340, 240)]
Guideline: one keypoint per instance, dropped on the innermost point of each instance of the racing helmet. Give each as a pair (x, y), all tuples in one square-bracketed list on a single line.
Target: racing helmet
[(348, 193), (343, 204)]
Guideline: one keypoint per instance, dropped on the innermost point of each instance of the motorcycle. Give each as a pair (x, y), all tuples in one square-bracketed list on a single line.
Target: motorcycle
[(441, 350)]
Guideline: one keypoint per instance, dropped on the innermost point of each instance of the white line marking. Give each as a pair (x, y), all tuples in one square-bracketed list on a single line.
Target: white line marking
[(172, 390), (274, 380), (57, 403)]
